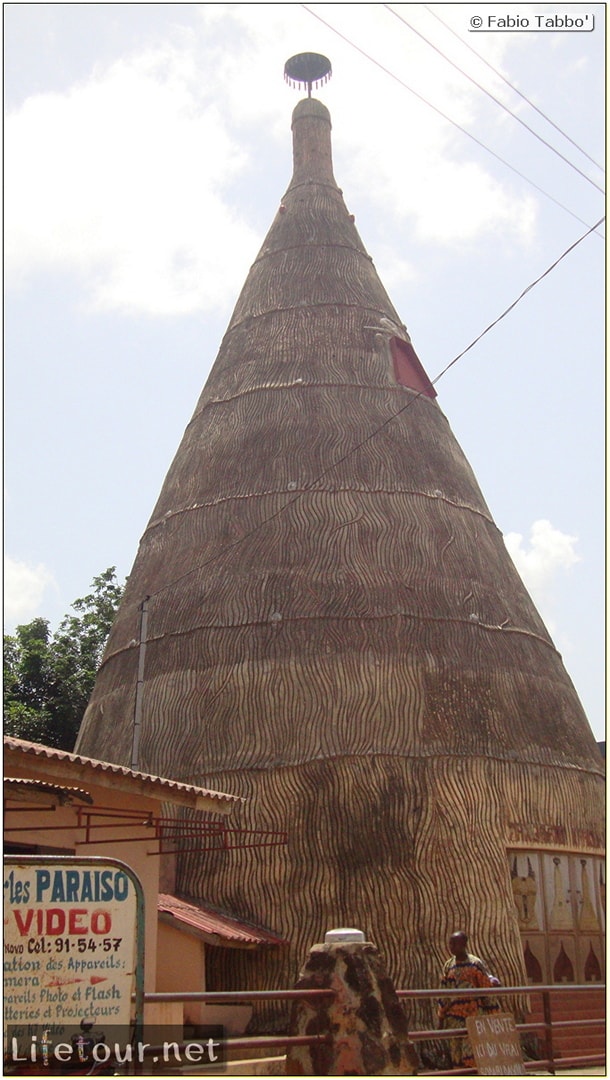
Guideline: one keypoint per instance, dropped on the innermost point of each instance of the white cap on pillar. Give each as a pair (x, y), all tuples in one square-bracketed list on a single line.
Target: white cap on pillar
[(342, 935)]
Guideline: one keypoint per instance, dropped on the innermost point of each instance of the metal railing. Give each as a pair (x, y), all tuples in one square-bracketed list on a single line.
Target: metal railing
[(550, 1060), (545, 1028), (246, 997)]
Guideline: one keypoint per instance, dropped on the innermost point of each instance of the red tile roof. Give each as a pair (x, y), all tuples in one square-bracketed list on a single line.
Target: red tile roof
[(157, 783), (215, 926), (21, 785)]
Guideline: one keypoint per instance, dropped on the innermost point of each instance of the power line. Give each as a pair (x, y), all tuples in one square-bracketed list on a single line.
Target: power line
[(495, 99), (444, 116), (519, 298), (514, 88), (381, 427)]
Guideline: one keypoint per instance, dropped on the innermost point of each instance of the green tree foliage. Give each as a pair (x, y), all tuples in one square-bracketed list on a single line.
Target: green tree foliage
[(48, 678), (27, 681)]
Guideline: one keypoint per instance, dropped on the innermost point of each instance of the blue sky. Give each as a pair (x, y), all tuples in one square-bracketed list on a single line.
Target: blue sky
[(147, 147)]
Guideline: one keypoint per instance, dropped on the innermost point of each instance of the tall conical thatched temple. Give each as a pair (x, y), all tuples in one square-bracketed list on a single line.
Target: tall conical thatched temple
[(323, 618)]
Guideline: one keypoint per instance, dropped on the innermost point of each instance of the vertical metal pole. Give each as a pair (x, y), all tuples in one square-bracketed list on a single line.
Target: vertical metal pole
[(548, 1030), (137, 715), (138, 1034)]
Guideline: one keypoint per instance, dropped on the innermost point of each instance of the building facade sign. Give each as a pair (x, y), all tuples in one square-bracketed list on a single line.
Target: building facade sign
[(72, 953), (529, 834)]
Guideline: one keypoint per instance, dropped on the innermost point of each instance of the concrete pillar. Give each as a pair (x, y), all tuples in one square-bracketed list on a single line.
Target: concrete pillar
[(365, 1019)]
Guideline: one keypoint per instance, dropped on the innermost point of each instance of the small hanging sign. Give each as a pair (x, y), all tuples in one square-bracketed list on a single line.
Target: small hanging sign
[(495, 1045)]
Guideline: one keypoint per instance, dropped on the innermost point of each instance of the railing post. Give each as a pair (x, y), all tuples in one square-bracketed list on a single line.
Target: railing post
[(367, 1028), (548, 1030)]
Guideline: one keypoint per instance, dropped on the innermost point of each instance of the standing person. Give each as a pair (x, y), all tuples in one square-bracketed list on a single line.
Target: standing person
[(462, 972)]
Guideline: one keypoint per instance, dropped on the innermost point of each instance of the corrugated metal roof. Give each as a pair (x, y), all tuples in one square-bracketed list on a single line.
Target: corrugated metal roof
[(21, 785), (216, 926), (156, 782)]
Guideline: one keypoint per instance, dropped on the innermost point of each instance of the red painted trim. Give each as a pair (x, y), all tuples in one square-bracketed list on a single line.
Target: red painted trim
[(408, 369)]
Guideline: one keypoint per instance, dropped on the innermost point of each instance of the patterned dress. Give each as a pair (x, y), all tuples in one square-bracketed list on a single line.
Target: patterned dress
[(463, 975)]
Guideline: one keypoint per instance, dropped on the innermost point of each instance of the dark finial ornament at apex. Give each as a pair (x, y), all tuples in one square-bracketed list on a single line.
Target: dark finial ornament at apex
[(306, 70)]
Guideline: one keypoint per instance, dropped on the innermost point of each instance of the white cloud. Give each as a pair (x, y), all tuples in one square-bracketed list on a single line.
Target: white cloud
[(393, 270), (121, 179), (24, 588), (549, 553), (129, 178)]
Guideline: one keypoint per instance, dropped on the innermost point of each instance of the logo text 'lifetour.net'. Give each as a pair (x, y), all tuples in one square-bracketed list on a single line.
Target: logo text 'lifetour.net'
[(53, 1050)]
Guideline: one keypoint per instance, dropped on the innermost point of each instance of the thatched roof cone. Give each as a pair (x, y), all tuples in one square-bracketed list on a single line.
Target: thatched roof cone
[(335, 629)]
